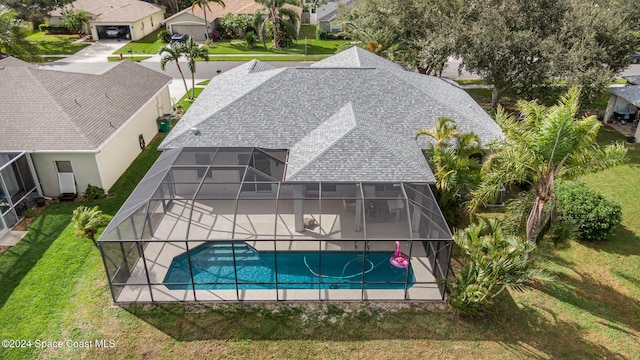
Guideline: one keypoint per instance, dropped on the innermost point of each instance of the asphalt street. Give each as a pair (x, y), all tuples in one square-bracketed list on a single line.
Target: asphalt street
[(93, 60)]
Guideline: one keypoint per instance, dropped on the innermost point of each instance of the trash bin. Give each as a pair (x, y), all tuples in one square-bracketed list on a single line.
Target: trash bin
[(164, 124)]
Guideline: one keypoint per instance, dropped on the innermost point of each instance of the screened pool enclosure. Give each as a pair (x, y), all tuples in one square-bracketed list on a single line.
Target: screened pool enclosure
[(224, 224)]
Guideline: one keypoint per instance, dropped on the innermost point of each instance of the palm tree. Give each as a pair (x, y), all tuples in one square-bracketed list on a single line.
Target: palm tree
[(173, 53), (191, 50), (204, 5), (491, 262), (87, 222), (13, 37), (279, 20), (378, 42), (455, 161), (545, 145), (75, 19)]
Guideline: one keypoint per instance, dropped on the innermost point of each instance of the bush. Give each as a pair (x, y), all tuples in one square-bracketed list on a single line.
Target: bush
[(30, 213), (214, 35), (164, 36), (251, 39), (321, 34), (491, 263), (54, 29), (594, 215), (94, 192)]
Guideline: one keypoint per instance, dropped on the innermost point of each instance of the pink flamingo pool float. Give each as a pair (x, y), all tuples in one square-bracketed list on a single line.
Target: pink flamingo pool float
[(399, 259)]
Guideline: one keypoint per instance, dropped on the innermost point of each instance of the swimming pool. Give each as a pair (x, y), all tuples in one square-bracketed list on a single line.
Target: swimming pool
[(213, 268)]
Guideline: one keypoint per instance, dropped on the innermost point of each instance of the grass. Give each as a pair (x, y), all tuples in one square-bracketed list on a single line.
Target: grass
[(54, 288), (185, 103), (55, 44), (313, 47), (128, 58), (147, 45), (267, 58)]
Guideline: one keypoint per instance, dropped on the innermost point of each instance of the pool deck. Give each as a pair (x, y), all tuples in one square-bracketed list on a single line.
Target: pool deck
[(258, 226), (160, 255)]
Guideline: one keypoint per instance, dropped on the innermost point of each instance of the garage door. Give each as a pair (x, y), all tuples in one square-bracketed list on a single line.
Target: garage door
[(195, 31), (113, 31)]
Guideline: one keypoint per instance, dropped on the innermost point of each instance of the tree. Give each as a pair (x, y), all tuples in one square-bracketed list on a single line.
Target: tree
[(419, 34), (280, 21), (545, 145), (491, 263), (377, 42), (455, 161), (191, 50), (511, 44), (75, 20), (597, 44), (34, 11), (523, 45), (12, 37), (88, 221), (204, 5), (173, 53)]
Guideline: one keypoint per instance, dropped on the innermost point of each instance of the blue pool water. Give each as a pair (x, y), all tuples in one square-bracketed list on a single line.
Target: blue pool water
[(212, 267)]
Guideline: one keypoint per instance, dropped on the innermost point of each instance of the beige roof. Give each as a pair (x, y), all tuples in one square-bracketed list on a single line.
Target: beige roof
[(235, 7), (55, 110), (113, 10)]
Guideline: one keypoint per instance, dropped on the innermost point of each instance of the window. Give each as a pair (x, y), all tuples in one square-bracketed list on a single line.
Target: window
[(64, 166)]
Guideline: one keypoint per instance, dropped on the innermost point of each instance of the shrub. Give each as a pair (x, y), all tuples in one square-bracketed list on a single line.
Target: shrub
[(321, 34), (491, 262), (251, 39), (164, 36), (54, 29), (214, 35), (594, 215), (94, 192), (30, 213)]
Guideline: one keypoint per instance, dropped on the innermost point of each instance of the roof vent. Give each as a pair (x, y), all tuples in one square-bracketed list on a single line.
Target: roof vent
[(195, 131)]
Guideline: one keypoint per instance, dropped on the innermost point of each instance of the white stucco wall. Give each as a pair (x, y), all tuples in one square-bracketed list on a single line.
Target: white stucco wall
[(142, 28), (85, 170), (120, 150)]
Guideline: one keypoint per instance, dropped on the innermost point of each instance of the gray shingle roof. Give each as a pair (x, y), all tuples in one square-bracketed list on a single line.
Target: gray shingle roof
[(15, 62), (633, 79), (351, 117), (329, 11), (630, 93), (55, 110)]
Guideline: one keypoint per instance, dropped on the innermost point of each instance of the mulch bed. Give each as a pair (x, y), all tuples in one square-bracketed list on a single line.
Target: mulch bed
[(24, 224)]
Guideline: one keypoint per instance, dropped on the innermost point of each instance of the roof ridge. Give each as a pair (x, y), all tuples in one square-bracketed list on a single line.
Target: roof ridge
[(55, 100), (348, 110)]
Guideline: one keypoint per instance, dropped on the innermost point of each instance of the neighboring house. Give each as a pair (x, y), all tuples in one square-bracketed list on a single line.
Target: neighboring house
[(191, 20), (68, 130), (623, 107), (294, 184), (126, 19), (325, 16)]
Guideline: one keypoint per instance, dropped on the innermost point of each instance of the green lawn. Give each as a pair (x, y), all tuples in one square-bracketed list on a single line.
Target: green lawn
[(147, 45), (55, 44), (267, 58), (127, 57), (54, 288), (313, 47)]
